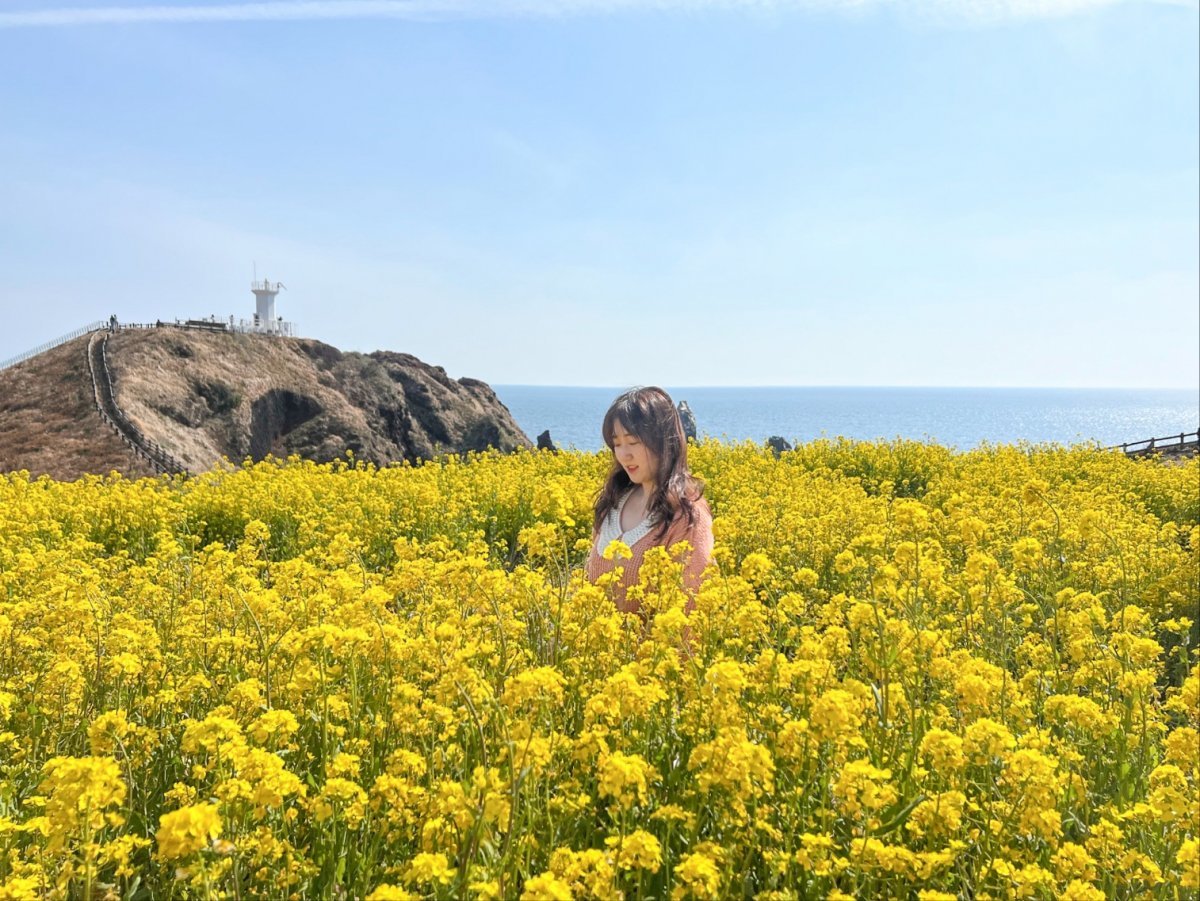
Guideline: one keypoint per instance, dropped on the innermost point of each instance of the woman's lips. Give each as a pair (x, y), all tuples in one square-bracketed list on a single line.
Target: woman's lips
[(631, 469)]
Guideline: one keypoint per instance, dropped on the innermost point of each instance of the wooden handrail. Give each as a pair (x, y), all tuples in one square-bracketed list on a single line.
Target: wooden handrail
[(111, 413), (50, 345), (286, 330), (1183, 439)]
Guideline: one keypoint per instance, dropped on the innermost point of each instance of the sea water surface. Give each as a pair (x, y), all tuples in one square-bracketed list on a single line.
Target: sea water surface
[(958, 417)]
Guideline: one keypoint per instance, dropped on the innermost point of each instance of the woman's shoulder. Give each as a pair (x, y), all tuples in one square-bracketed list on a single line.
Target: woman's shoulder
[(697, 498), (700, 511)]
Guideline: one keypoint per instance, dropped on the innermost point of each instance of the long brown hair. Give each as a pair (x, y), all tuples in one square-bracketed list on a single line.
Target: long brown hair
[(650, 415)]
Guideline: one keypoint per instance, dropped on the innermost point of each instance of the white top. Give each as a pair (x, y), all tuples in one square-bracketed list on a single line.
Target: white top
[(610, 529)]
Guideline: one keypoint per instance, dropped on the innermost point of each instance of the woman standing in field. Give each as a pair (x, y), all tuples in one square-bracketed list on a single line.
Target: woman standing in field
[(650, 499)]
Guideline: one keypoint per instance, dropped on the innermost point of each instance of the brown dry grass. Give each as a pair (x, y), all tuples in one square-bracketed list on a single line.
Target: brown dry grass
[(156, 374), (49, 424)]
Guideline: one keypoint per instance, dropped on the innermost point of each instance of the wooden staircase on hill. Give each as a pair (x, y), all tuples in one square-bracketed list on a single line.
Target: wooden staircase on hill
[(106, 404)]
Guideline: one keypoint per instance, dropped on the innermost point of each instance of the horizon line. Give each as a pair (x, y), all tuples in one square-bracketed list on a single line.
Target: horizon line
[(1195, 388)]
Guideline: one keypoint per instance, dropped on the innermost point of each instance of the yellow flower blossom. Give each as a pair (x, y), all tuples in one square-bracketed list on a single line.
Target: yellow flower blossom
[(638, 851), (626, 778), (429, 869), (183, 832), (80, 791), (546, 887), (698, 877)]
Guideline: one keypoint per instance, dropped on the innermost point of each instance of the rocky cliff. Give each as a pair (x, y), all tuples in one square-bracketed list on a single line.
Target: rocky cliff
[(199, 396)]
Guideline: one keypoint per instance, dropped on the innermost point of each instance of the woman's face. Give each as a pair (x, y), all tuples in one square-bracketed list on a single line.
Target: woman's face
[(629, 451)]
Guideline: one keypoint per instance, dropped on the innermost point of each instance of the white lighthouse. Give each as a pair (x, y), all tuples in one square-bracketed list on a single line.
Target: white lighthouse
[(264, 305)]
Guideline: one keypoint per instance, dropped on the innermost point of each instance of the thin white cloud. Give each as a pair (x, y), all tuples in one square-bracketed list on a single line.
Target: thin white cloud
[(435, 10)]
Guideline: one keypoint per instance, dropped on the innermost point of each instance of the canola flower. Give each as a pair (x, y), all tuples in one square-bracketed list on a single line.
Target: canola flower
[(910, 673)]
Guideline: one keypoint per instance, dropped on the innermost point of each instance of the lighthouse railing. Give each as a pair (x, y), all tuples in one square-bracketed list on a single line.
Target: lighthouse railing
[(279, 327)]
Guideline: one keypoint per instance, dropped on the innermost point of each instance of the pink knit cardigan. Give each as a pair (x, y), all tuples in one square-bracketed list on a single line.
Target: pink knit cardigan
[(699, 535)]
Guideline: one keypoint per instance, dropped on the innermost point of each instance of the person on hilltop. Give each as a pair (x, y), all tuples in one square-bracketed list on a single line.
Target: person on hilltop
[(650, 498)]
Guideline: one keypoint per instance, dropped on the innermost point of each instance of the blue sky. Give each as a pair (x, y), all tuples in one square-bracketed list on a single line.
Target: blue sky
[(613, 192)]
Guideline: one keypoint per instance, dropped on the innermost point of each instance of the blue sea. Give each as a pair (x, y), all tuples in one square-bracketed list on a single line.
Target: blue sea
[(957, 417)]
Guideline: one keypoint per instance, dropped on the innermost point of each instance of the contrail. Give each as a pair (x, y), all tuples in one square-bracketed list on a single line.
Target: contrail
[(436, 10)]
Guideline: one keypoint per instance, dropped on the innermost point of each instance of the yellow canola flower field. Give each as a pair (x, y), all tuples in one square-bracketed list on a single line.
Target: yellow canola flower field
[(910, 673)]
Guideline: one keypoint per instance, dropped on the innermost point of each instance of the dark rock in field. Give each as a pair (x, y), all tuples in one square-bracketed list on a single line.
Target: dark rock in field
[(688, 418), (544, 442), (778, 445)]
